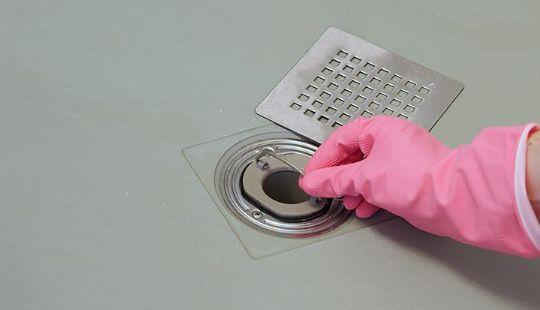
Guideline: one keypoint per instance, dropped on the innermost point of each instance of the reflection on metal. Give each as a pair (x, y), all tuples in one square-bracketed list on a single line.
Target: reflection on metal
[(275, 208)]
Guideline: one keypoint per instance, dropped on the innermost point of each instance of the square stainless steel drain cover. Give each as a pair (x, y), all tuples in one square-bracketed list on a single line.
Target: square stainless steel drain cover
[(342, 77)]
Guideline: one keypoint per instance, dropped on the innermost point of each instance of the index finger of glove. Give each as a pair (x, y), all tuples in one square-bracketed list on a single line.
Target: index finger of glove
[(338, 148)]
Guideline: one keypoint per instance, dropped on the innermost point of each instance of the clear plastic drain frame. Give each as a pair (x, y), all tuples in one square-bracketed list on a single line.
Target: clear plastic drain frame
[(204, 158)]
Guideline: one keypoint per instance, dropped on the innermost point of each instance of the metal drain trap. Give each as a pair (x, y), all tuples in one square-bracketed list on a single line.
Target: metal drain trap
[(268, 199), (342, 77)]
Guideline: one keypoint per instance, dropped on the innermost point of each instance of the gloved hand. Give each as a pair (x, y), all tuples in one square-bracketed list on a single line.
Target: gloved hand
[(469, 193)]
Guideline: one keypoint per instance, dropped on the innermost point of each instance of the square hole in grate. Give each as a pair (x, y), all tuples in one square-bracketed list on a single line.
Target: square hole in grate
[(396, 78), (327, 71), (338, 101), (403, 116), (325, 95), (317, 104), (389, 87), (336, 125), (409, 108), (369, 66), (309, 113), (354, 83), (346, 92), (342, 54), (352, 108), (395, 102), (375, 81), (303, 97), (318, 79), (334, 62), (345, 116), (423, 90), (348, 69), (295, 106), (388, 111), (355, 60), (323, 119), (381, 96), (333, 86), (367, 90), (402, 93), (410, 84), (311, 88), (416, 99), (331, 110), (374, 105), (366, 114), (382, 72), (360, 99), (362, 75), (340, 77)]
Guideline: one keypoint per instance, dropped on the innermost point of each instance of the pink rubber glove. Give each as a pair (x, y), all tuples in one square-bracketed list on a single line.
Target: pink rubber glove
[(467, 193)]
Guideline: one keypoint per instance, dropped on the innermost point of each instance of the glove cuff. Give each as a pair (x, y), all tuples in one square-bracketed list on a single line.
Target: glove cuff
[(528, 218)]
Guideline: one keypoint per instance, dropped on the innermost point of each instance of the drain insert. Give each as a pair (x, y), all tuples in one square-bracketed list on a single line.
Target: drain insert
[(273, 186), (267, 196)]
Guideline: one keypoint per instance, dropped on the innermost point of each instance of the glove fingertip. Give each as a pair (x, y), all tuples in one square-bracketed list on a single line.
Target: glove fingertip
[(308, 184), (352, 202), (366, 210)]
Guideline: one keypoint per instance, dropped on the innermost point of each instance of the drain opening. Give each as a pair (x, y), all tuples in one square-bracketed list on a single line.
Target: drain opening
[(282, 186), (263, 191)]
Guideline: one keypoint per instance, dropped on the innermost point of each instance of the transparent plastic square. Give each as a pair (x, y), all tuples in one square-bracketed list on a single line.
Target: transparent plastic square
[(203, 159)]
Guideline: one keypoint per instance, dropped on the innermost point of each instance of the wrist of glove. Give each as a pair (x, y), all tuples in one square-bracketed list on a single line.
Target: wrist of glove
[(472, 193), (533, 170)]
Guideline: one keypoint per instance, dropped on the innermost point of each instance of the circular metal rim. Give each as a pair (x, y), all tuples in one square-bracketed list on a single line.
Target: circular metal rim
[(227, 182)]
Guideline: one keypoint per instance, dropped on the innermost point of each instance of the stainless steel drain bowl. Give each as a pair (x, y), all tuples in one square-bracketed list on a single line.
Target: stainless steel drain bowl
[(343, 77), (228, 181)]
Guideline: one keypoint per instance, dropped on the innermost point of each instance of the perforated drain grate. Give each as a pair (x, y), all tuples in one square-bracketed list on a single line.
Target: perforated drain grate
[(342, 77)]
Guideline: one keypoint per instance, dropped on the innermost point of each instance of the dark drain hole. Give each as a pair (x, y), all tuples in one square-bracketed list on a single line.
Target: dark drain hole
[(282, 186)]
